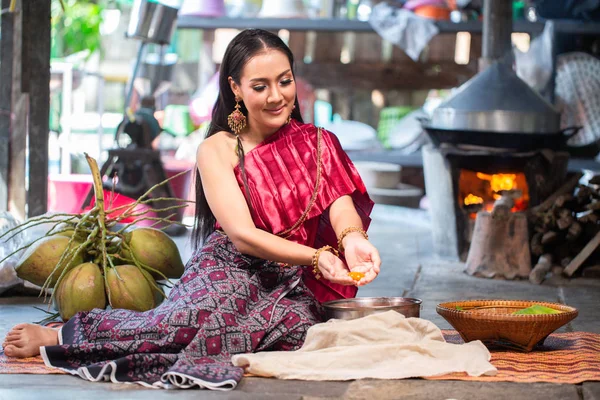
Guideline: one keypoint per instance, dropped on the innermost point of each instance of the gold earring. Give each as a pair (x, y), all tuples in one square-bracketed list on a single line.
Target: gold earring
[(236, 120), (289, 118)]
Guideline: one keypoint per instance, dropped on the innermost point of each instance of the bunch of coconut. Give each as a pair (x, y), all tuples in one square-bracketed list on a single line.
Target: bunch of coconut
[(92, 260)]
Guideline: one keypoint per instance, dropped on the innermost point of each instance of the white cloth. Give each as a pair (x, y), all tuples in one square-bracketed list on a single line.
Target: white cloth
[(403, 28), (379, 346)]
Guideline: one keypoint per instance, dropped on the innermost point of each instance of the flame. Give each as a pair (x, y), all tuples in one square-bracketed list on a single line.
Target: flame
[(472, 199), (499, 182)]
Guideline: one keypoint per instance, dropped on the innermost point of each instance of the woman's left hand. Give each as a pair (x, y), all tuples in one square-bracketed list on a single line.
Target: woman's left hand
[(362, 256)]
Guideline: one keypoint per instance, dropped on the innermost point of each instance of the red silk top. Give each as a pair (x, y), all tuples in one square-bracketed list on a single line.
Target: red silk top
[(281, 173)]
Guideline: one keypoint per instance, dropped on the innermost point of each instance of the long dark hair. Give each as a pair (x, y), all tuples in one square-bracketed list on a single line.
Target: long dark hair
[(240, 50)]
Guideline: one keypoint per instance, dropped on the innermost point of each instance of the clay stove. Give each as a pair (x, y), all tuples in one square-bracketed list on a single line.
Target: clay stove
[(494, 137)]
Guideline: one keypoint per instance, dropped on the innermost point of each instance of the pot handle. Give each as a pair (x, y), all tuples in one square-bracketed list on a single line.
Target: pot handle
[(571, 131)]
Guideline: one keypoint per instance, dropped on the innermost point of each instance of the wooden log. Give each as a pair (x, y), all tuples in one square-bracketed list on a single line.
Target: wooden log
[(574, 231), (549, 237), (538, 273), (567, 187), (595, 206), (499, 247), (587, 217), (502, 206), (557, 270), (595, 180), (593, 271), (564, 222), (583, 194), (537, 249), (589, 248), (563, 200)]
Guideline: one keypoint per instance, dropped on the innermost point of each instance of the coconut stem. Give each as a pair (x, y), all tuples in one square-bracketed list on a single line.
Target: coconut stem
[(30, 225), (156, 210), (44, 219), (131, 207)]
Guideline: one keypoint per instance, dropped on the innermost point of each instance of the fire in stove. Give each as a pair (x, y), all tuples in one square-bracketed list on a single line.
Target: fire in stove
[(478, 190)]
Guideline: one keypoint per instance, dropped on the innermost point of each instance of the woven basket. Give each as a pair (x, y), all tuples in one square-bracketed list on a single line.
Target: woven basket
[(492, 321)]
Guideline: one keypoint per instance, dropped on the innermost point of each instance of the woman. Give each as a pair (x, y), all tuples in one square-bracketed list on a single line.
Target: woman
[(273, 197)]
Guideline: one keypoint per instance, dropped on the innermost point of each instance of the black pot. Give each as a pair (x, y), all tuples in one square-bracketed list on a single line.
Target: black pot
[(505, 140)]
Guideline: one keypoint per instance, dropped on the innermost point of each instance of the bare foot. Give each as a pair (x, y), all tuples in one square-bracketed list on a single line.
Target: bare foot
[(24, 340)]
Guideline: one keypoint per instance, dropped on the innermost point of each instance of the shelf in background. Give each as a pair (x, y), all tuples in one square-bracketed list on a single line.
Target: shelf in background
[(342, 25), (415, 159)]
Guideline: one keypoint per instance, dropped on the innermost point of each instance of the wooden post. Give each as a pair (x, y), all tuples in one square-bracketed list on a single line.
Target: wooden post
[(18, 149), (6, 79), (36, 14)]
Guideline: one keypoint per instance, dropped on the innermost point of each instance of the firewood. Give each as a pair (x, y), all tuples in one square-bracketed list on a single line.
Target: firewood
[(538, 273), (502, 206), (549, 237), (563, 200), (562, 249), (589, 248), (589, 230), (574, 231), (567, 187), (595, 193), (557, 270), (549, 221), (595, 206), (583, 194), (587, 217), (595, 180), (593, 271), (565, 261), (564, 222), (562, 212), (537, 248)]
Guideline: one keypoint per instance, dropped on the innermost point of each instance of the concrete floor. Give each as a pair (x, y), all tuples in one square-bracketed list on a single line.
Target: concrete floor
[(408, 269)]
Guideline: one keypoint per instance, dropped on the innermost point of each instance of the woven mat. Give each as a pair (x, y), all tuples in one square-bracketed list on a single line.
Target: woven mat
[(564, 358), (31, 365)]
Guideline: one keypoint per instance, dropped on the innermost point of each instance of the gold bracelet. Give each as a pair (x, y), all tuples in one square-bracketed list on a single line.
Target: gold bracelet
[(348, 230), (315, 259)]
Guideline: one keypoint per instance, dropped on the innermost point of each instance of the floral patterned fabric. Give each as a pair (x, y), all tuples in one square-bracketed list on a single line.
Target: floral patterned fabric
[(225, 303)]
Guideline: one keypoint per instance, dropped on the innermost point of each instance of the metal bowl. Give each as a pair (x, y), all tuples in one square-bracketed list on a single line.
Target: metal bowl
[(361, 307)]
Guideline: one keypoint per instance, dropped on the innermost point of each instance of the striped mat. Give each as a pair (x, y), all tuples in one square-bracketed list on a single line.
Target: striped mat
[(564, 358)]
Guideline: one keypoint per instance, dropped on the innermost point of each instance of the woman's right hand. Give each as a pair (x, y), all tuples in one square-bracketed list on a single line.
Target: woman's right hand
[(333, 269)]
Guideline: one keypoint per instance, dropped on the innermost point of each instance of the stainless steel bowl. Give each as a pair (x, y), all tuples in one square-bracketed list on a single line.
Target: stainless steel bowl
[(361, 307)]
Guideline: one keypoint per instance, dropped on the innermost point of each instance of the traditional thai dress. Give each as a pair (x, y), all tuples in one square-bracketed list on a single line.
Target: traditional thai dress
[(226, 302)]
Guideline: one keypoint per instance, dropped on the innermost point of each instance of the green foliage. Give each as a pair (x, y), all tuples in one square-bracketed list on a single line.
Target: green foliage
[(537, 309), (77, 28)]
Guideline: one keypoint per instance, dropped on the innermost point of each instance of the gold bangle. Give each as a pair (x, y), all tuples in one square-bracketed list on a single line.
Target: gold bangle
[(348, 230), (315, 259)]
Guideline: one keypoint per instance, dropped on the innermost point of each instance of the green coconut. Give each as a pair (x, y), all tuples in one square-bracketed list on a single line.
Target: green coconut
[(130, 289), (40, 259), (155, 249), (81, 289)]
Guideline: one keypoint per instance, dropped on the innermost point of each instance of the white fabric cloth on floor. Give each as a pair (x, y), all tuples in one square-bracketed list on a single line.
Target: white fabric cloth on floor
[(381, 346)]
